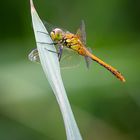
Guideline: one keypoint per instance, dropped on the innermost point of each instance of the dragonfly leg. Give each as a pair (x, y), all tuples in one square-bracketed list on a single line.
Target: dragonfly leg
[(51, 51), (47, 43), (43, 32), (60, 50)]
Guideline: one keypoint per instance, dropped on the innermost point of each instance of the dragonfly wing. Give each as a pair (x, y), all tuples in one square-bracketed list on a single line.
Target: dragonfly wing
[(51, 27), (70, 59), (34, 56), (81, 32), (88, 60)]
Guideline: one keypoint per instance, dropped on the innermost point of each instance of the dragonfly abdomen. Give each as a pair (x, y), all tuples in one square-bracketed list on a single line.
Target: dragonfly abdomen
[(107, 66)]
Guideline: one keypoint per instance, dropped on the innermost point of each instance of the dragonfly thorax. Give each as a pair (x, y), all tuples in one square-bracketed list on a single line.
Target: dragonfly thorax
[(57, 34)]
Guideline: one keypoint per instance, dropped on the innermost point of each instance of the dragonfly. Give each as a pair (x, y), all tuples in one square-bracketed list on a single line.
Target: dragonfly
[(76, 42)]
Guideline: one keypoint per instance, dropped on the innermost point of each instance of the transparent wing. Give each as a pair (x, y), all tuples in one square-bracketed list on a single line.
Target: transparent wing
[(88, 60), (34, 56), (70, 59), (51, 27), (81, 32)]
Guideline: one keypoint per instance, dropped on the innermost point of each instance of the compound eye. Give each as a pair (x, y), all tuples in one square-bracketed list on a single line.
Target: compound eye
[(52, 34)]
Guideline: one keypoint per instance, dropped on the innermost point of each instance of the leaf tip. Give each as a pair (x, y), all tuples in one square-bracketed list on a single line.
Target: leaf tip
[(32, 6)]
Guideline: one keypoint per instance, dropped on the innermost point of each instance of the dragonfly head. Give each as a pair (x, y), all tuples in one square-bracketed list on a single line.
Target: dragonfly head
[(57, 34)]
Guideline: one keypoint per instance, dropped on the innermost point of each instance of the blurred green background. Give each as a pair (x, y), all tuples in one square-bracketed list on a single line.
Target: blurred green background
[(104, 108)]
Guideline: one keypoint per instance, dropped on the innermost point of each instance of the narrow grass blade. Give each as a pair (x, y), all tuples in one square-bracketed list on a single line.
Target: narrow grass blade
[(50, 65)]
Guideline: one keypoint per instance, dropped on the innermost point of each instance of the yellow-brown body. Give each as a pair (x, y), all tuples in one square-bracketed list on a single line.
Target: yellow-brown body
[(73, 42)]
